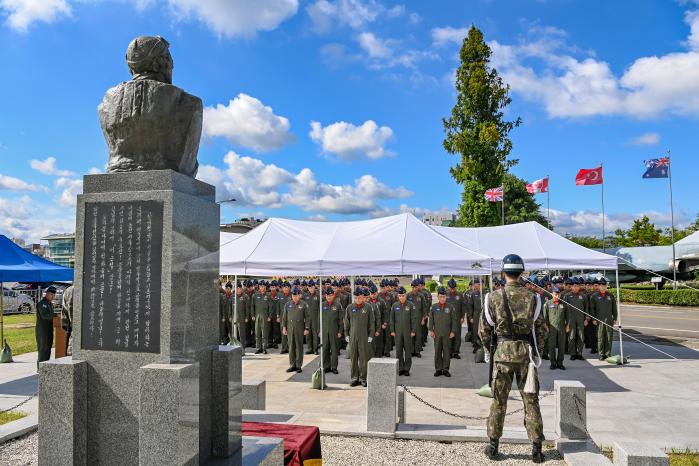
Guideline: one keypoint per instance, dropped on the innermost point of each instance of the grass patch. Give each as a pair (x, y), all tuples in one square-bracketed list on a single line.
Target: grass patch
[(11, 416), (19, 319), (19, 332), (685, 458)]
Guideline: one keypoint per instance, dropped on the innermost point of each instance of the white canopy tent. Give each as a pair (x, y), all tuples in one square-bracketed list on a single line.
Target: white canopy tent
[(395, 245), (540, 247)]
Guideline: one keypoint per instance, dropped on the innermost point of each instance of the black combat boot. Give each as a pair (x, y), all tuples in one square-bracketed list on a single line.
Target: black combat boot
[(491, 450), (537, 455)]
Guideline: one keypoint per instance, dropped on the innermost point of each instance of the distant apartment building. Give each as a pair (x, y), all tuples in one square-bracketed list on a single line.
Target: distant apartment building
[(61, 249), (242, 225), (19, 242), (440, 220)]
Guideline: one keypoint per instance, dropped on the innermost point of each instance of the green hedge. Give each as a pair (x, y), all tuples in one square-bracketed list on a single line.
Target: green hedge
[(680, 297), (638, 287)]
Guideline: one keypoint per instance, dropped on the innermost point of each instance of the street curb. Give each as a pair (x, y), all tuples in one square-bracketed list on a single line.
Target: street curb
[(18, 428)]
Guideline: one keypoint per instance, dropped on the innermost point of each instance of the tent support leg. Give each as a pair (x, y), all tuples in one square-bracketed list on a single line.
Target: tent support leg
[(320, 318), (234, 324)]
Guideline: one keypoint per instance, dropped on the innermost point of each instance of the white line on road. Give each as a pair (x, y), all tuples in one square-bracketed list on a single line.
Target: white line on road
[(663, 329)]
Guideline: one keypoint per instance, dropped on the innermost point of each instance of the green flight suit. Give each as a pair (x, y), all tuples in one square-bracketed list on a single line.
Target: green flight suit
[(456, 300), (388, 300), (427, 305), (44, 330), (576, 320), (261, 303), (281, 303), (380, 318), (241, 316), (331, 316), (556, 315), (275, 326), (511, 358), (313, 302), (443, 320), (225, 307), (402, 322), (359, 325), (474, 311), (421, 308), (605, 311), (295, 319)]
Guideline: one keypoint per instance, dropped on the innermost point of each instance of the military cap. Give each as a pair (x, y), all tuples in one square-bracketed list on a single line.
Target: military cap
[(401, 290), (304, 283), (254, 282), (442, 290), (358, 292), (555, 289), (452, 283), (229, 285), (286, 284), (365, 292), (51, 289), (373, 289), (603, 281), (329, 291), (296, 290), (311, 283), (335, 283), (238, 284)]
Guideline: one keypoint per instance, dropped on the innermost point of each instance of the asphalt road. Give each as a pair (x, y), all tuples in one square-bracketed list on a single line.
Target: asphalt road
[(672, 323)]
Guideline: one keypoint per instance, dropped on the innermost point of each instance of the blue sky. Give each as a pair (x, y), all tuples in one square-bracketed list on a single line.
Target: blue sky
[(332, 109)]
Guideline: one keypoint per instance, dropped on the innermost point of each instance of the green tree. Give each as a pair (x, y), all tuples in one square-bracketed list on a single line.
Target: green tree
[(477, 131), (642, 233), (591, 242), (520, 206)]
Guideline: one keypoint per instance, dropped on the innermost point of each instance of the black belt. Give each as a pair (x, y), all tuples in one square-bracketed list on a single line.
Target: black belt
[(515, 338)]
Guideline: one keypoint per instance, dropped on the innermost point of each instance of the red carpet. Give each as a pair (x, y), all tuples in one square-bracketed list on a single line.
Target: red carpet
[(301, 443)]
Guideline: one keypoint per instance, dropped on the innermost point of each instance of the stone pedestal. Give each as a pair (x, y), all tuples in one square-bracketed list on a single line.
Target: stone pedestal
[(62, 412), (227, 398), (382, 376), (254, 394), (571, 409), (639, 454), (145, 317)]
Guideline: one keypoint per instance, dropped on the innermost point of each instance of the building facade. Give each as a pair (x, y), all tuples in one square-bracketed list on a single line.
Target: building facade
[(61, 249), (440, 220)]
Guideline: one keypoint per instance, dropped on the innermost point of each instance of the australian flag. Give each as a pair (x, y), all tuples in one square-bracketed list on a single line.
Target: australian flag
[(657, 168)]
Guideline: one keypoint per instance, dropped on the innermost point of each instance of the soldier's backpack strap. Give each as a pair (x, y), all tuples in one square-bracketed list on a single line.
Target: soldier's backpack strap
[(508, 313)]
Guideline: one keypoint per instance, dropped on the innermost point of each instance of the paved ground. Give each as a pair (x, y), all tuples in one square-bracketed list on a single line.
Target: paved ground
[(676, 323)]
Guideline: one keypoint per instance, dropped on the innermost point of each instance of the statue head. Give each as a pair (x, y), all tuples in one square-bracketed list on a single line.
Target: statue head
[(149, 57)]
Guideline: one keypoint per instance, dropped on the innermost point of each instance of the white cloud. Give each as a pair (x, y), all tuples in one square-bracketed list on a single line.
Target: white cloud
[(350, 142), (9, 183), (22, 13), (586, 222), (352, 13), (390, 53), (256, 184), (546, 71), (448, 35), (18, 218), (238, 18), (71, 188), (95, 171), (247, 122), (646, 139), (375, 47), (48, 167)]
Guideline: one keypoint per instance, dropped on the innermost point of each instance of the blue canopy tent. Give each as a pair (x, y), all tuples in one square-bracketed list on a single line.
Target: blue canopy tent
[(18, 265)]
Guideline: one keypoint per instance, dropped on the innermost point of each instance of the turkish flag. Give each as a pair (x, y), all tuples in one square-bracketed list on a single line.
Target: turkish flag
[(589, 176), (538, 186)]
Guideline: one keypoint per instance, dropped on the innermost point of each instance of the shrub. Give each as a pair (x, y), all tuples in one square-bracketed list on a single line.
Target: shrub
[(679, 297)]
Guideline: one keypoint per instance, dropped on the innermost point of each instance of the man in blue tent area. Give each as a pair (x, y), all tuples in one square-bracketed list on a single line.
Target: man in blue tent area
[(44, 325)]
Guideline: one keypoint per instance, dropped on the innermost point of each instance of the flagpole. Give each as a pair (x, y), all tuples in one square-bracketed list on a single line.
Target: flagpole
[(503, 201), (548, 201), (604, 243), (672, 224)]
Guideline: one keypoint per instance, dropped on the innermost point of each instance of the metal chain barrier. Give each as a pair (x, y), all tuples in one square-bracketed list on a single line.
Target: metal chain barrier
[(461, 416), (26, 400)]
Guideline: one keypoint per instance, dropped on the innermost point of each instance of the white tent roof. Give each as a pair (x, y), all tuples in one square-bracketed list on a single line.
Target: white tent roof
[(225, 237), (540, 247), (396, 245)]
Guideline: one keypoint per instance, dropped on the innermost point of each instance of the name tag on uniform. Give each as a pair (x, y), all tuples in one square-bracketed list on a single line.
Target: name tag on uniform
[(446, 311)]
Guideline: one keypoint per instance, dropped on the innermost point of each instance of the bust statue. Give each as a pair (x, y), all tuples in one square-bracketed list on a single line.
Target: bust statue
[(148, 123)]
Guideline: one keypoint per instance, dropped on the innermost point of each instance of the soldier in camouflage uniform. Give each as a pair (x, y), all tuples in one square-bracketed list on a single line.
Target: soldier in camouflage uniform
[(402, 324), (295, 319), (443, 321), (359, 328), (512, 314), (556, 315), (605, 311), (456, 300)]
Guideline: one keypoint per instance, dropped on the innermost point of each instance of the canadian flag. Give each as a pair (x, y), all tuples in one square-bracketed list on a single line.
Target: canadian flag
[(538, 186), (587, 176)]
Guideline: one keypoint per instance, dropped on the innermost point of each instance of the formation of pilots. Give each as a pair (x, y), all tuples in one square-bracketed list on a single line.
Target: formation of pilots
[(370, 322)]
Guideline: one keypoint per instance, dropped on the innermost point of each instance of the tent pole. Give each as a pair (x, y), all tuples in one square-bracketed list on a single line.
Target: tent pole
[(2, 315), (320, 311), (234, 324), (618, 310)]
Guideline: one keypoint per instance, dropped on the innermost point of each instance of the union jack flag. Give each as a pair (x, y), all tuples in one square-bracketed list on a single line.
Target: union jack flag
[(494, 194), (657, 168)]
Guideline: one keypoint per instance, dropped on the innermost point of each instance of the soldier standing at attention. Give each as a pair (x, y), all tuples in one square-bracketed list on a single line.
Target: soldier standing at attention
[(576, 304), (295, 325), (44, 325), (427, 305), (513, 315), (241, 313), (380, 321), (262, 313), (556, 315), (605, 311), (403, 324), (332, 314), (225, 313), (284, 298), (474, 309), (387, 299), (313, 301), (359, 328), (417, 300), (594, 341), (443, 321), (275, 333), (457, 302)]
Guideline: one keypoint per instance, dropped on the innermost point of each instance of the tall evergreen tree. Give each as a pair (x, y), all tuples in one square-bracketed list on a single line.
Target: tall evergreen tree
[(478, 132)]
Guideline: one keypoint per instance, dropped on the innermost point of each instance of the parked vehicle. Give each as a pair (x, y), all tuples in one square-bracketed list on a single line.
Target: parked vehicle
[(15, 302)]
